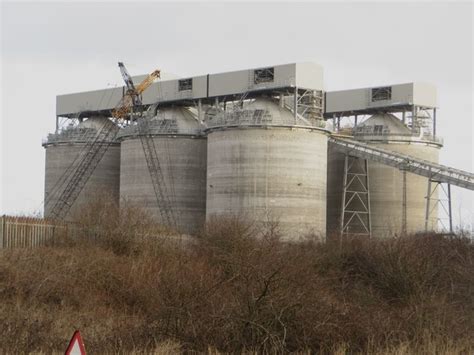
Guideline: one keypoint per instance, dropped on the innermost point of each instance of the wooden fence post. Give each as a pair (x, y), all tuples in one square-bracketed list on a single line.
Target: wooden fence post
[(2, 231), (27, 232)]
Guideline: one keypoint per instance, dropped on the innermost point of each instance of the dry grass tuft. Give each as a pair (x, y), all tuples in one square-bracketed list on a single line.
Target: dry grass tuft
[(238, 288)]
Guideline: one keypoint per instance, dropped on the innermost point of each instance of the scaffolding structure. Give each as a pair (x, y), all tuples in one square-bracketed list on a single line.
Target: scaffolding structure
[(434, 201), (355, 212)]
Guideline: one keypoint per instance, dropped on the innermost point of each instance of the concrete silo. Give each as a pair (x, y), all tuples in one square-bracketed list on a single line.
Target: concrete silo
[(263, 165), (387, 184), (181, 147), (64, 149)]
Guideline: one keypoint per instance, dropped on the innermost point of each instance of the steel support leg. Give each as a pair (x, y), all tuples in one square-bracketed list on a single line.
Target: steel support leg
[(344, 189), (200, 110), (428, 199), (450, 211), (295, 105), (404, 203), (439, 201), (355, 216)]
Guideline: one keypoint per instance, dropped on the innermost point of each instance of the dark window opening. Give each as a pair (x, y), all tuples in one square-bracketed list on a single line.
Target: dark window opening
[(185, 84), (265, 75), (380, 94), (258, 115), (378, 129)]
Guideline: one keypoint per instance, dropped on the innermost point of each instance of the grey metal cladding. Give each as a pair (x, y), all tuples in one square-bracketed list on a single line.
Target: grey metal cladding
[(302, 75), (398, 95)]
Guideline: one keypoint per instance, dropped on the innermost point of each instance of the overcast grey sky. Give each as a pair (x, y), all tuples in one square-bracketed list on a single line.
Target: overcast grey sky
[(56, 48)]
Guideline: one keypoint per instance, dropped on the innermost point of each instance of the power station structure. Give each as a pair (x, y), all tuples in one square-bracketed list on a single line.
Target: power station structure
[(266, 144)]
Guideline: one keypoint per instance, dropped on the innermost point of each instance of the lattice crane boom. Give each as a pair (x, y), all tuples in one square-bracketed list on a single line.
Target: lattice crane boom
[(95, 149), (91, 155), (148, 145)]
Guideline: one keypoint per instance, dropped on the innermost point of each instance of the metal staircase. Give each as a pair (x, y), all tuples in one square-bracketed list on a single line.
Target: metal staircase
[(434, 172), (91, 155)]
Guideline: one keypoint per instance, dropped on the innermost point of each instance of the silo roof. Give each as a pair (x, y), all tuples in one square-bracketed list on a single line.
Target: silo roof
[(262, 111), (390, 122), (168, 121)]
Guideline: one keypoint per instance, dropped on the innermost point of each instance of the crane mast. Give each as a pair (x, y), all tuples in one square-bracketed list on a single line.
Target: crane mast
[(94, 149), (148, 145)]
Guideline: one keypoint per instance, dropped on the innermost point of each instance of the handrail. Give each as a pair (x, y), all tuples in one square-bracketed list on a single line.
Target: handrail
[(408, 163)]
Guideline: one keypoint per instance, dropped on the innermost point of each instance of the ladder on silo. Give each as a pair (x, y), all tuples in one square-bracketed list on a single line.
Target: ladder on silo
[(430, 170), (77, 177)]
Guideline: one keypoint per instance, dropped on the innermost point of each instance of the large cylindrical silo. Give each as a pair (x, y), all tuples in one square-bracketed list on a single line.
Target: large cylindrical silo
[(181, 149), (386, 184), (64, 149), (264, 167)]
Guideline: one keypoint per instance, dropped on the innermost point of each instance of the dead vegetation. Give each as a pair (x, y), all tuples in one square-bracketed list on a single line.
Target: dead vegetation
[(238, 288)]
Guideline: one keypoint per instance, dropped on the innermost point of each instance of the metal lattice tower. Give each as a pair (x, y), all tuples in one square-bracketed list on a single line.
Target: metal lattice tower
[(404, 203), (95, 149), (433, 201), (436, 172), (355, 215), (149, 149)]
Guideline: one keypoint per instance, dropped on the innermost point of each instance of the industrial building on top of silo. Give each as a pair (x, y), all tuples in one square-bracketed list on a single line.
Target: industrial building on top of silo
[(399, 118), (268, 143)]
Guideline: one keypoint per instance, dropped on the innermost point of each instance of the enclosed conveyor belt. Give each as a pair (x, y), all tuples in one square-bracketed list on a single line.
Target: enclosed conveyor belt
[(436, 172)]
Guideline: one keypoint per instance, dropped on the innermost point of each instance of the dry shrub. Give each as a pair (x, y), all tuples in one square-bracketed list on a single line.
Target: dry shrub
[(237, 288), (120, 228)]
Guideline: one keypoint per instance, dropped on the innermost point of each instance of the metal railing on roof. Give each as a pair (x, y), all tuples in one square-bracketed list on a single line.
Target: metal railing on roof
[(258, 117), (159, 127), (74, 135)]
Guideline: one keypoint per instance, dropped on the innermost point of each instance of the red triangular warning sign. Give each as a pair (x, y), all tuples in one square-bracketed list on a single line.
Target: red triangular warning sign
[(76, 345)]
